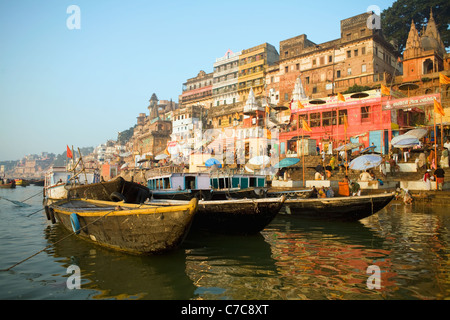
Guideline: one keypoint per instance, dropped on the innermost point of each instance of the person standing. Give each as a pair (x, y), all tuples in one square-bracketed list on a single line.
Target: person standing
[(439, 173), (427, 180)]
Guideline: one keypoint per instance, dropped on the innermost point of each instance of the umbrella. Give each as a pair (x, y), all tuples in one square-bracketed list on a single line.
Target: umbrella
[(407, 142), (349, 146), (404, 141), (161, 156), (212, 161), (365, 162), (371, 148), (259, 160), (419, 133), (286, 162)]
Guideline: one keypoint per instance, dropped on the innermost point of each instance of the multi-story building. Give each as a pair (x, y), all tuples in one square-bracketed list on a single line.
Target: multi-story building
[(360, 57), (253, 64), (151, 134), (197, 91), (225, 79)]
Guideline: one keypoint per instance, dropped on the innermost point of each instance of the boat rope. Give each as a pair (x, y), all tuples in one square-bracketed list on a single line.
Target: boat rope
[(40, 192), (60, 240), (35, 212)]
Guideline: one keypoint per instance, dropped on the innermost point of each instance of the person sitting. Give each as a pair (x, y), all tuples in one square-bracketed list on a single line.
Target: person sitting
[(365, 176), (322, 193), (407, 199), (318, 176), (330, 192), (355, 189)]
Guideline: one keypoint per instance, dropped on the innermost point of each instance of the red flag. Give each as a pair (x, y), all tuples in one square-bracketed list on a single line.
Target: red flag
[(69, 153)]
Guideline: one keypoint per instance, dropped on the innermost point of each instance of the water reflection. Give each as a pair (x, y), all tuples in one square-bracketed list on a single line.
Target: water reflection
[(230, 267), (115, 275), (326, 260), (291, 259)]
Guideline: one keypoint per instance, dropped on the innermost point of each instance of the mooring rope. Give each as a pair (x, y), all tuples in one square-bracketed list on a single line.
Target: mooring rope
[(32, 196), (49, 246)]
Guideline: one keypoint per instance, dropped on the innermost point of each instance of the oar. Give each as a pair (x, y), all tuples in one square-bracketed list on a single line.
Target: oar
[(18, 203)]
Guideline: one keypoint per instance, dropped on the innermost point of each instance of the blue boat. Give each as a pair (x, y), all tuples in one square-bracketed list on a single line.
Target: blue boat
[(180, 186)]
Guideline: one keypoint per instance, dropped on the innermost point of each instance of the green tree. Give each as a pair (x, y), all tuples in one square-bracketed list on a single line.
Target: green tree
[(396, 20)]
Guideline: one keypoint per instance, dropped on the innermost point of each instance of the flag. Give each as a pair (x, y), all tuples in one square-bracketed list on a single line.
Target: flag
[(438, 108), (305, 126), (69, 153), (444, 79), (385, 90), (345, 122), (267, 109), (166, 151), (340, 97), (299, 105)]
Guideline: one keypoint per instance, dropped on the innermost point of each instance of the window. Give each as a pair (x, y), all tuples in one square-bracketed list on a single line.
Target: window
[(314, 62), (363, 50), (286, 96), (314, 120), (326, 118), (363, 68), (314, 90), (286, 53), (297, 66), (342, 113), (365, 113), (322, 60), (307, 80), (338, 73), (349, 71), (330, 59), (286, 69), (355, 52), (349, 54)]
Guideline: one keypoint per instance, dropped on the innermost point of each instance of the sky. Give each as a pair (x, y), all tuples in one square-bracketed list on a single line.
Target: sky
[(78, 78)]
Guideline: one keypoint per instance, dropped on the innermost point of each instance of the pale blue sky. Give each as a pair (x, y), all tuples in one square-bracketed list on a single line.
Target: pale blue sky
[(81, 87)]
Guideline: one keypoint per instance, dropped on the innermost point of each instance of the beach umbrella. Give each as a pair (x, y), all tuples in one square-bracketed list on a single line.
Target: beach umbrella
[(161, 156), (407, 142), (349, 146), (259, 161), (419, 133), (212, 161), (365, 162), (368, 149), (286, 162)]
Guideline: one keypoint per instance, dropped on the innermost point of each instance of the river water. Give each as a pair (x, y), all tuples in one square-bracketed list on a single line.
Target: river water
[(400, 253)]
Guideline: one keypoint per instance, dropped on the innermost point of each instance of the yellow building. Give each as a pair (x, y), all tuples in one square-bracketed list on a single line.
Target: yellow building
[(253, 63)]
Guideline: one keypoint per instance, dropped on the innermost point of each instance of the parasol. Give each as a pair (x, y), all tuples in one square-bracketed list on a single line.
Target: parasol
[(161, 156), (349, 146), (286, 162), (259, 161), (365, 162), (212, 161), (419, 133)]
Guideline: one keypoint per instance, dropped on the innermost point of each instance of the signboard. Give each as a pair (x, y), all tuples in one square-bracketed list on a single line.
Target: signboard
[(416, 101)]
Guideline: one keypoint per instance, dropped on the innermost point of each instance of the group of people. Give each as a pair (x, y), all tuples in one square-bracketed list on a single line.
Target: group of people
[(437, 176), (322, 192)]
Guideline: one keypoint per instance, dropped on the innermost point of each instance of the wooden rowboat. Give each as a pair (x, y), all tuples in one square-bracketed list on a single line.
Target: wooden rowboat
[(133, 228), (238, 216), (339, 208)]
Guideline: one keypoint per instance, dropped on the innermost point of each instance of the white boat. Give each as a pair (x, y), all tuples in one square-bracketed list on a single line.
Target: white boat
[(56, 179)]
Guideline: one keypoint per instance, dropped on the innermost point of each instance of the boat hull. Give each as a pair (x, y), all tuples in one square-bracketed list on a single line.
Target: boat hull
[(241, 216), (249, 193), (130, 228), (113, 190), (339, 208)]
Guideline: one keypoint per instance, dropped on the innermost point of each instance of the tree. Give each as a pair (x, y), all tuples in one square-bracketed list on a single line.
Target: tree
[(396, 20)]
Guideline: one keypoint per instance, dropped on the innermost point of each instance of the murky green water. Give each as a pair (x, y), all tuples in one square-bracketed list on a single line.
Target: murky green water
[(290, 259)]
